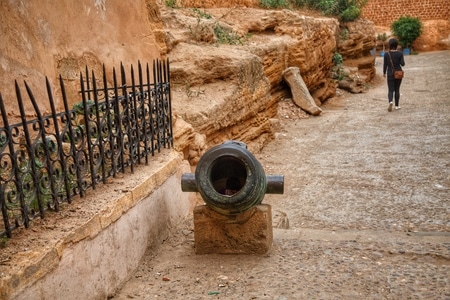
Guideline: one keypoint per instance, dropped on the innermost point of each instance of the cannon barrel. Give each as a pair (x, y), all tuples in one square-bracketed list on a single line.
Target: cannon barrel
[(230, 179)]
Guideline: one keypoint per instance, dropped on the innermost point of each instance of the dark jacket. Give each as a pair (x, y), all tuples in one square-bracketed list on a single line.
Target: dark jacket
[(397, 60)]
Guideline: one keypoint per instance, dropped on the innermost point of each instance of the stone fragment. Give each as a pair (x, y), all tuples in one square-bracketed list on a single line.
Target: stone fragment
[(300, 92)]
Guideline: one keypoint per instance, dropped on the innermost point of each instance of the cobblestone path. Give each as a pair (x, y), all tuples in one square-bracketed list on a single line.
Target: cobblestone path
[(367, 197)]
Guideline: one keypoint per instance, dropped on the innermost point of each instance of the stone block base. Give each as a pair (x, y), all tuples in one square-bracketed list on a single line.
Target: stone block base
[(247, 233)]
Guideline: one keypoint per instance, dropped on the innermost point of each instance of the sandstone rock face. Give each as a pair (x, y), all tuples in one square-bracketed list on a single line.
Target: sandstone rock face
[(435, 36), (355, 41), (231, 91), (285, 38), (229, 102)]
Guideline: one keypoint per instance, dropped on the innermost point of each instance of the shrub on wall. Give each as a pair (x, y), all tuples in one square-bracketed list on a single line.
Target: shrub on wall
[(407, 29), (347, 10), (274, 3), (350, 14)]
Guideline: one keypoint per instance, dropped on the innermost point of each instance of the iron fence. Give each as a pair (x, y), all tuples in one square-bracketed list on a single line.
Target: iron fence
[(50, 159)]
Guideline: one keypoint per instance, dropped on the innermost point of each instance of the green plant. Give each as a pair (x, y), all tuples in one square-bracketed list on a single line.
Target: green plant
[(347, 10), (79, 107), (3, 242), (338, 70), (382, 37), (407, 29), (3, 139), (190, 92), (227, 36), (187, 89), (337, 59), (274, 3), (343, 34), (199, 31), (170, 3), (351, 13), (328, 7), (201, 14)]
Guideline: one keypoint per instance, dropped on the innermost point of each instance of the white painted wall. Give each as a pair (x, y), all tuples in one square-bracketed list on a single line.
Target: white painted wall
[(95, 268)]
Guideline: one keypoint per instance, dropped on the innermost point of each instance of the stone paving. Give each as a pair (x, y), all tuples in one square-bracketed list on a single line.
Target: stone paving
[(367, 198)]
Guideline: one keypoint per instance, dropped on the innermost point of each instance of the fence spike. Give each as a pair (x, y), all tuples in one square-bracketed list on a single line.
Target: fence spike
[(59, 143), (130, 123), (3, 184)]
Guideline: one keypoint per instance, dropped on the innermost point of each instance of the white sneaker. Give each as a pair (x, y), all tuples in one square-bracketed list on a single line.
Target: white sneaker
[(390, 106), (397, 107)]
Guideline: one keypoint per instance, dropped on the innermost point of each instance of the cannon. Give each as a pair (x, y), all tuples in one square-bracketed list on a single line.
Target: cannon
[(230, 179)]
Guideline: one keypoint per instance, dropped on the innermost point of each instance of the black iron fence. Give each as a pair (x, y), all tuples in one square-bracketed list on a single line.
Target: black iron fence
[(50, 159)]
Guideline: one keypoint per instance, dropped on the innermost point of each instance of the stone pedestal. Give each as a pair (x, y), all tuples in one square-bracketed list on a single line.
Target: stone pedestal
[(247, 233)]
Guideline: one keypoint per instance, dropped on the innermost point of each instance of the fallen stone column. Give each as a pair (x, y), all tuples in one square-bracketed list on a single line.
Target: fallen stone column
[(300, 93)]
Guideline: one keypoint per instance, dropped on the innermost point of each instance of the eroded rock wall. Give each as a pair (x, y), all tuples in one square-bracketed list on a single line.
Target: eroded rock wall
[(355, 41), (231, 90), (230, 103)]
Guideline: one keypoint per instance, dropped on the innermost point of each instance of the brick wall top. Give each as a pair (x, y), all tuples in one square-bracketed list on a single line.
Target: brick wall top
[(384, 12)]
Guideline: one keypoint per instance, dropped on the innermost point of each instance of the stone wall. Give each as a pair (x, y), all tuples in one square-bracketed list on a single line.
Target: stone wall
[(434, 15), (45, 38), (96, 244), (384, 12)]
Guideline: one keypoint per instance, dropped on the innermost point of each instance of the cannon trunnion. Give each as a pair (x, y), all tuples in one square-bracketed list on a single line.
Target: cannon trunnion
[(230, 179)]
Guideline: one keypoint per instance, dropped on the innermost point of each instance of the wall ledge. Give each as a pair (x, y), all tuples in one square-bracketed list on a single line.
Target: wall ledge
[(97, 241)]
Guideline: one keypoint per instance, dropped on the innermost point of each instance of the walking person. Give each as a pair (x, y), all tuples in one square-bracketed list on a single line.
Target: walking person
[(393, 61)]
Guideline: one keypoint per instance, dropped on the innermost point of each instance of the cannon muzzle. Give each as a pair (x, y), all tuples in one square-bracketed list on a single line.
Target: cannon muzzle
[(230, 179)]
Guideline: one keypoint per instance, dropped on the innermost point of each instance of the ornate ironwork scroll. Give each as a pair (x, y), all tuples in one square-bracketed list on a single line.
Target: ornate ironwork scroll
[(50, 159)]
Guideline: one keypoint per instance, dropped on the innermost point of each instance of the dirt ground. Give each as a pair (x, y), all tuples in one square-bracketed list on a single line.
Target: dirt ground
[(366, 197)]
